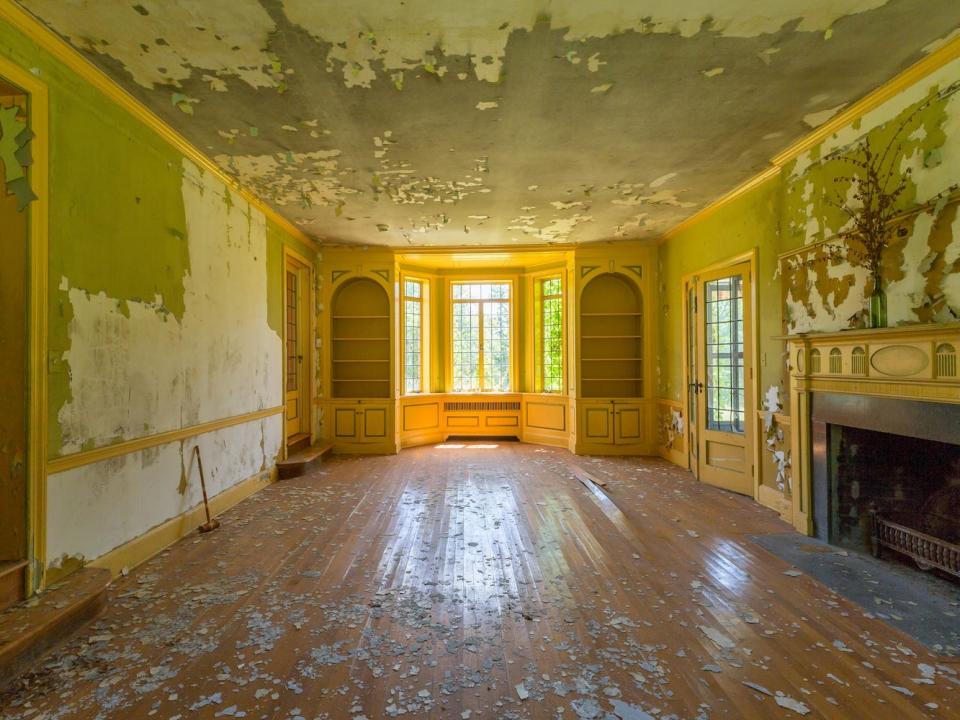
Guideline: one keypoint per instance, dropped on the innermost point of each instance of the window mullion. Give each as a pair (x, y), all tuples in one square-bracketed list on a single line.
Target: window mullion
[(480, 375)]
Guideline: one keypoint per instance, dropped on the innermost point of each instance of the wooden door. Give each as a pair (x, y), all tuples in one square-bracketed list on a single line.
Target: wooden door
[(296, 350), (723, 378)]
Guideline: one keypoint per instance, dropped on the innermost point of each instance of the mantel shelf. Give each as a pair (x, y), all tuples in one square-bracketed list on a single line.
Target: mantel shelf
[(865, 333)]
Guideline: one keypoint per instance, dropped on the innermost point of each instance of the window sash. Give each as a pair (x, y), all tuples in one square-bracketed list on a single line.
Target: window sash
[(550, 334), (412, 336), (481, 344)]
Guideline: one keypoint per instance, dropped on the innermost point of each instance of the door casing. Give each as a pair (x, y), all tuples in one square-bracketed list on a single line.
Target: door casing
[(298, 264), (752, 374)]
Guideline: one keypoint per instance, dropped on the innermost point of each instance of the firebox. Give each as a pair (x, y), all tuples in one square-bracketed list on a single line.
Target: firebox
[(896, 460)]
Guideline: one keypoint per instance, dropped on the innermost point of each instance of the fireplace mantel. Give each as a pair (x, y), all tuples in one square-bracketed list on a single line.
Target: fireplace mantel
[(910, 362)]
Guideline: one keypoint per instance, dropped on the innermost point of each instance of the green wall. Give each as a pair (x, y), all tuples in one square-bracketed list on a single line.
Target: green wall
[(751, 221), (116, 213)]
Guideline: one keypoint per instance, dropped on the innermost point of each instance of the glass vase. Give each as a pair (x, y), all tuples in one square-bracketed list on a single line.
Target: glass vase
[(878, 305)]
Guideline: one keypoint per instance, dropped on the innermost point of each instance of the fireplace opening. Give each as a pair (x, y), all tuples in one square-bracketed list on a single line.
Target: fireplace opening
[(886, 478), (909, 481)]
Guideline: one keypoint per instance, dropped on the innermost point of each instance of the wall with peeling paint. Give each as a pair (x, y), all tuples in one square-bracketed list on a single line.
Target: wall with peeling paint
[(789, 215), (165, 311), (921, 127)]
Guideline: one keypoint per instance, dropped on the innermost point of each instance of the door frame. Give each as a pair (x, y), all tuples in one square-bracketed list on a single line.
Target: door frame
[(37, 226), (307, 401), (753, 449)]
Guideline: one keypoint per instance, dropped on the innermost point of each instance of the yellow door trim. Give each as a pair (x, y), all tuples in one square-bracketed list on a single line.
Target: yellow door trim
[(38, 117), (751, 258), (69, 462), (308, 332)]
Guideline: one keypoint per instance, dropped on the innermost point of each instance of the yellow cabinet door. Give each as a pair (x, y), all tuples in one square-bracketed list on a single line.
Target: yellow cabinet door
[(598, 423), (628, 424)]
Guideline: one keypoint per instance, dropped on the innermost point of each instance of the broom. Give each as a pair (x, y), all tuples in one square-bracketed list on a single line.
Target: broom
[(210, 524)]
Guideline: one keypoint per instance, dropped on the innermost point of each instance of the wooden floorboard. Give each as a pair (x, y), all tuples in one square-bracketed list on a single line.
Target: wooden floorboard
[(484, 582)]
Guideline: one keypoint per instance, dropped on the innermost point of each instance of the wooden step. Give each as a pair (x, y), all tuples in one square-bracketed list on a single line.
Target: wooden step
[(298, 442), (31, 628), (301, 461), (13, 582)]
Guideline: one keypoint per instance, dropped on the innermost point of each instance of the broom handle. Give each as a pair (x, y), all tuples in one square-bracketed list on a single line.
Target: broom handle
[(203, 483)]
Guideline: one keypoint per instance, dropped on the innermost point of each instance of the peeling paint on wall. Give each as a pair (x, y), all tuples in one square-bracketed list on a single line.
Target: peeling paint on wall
[(920, 268)]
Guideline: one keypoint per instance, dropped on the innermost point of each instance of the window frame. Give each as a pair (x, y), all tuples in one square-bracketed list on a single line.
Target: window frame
[(511, 302), (423, 300), (539, 339)]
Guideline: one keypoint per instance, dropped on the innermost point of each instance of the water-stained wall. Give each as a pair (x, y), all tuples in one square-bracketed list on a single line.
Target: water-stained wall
[(165, 312)]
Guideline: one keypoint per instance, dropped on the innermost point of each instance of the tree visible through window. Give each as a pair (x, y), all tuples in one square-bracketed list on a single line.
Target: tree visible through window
[(412, 336), (481, 336), (551, 335)]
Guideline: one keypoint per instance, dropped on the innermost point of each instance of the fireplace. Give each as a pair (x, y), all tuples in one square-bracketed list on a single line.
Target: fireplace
[(886, 471)]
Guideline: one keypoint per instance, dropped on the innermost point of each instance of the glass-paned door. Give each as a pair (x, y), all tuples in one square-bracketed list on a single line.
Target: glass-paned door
[(723, 372)]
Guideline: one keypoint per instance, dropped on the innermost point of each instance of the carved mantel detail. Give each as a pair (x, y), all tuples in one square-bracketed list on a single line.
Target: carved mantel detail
[(914, 362)]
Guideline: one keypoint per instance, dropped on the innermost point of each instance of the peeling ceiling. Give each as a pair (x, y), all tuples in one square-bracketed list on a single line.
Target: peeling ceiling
[(496, 122)]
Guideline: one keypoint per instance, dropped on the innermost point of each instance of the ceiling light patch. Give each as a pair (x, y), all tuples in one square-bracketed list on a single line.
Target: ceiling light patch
[(601, 88), (766, 55), (712, 72), (487, 105), (183, 102)]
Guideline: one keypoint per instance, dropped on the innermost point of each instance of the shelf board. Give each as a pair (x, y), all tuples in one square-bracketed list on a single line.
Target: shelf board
[(351, 339), (611, 379), (611, 314), (361, 317), (630, 359), (360, 380), (361, 361), (610, 337)]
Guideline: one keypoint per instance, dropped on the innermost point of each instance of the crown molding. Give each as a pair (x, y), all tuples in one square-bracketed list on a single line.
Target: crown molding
[(62, 51), (872, 100)]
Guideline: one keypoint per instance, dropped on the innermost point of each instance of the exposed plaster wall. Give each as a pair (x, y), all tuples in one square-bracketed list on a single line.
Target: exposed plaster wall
[(921, 269), (96, 508), (165, 310)]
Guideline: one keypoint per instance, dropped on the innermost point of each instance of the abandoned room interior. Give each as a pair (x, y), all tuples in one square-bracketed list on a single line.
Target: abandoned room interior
[(492, 359)]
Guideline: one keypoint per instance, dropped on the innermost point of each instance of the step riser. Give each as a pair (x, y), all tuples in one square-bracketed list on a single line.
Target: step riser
[(12, 584)]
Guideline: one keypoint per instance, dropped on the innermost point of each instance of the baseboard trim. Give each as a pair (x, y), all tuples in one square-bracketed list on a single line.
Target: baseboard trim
[(160, 537)]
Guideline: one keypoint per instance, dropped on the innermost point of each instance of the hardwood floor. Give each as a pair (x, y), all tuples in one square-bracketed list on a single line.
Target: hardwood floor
[(483, 580)]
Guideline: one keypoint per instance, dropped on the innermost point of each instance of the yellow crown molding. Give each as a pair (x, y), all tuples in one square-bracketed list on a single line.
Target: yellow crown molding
[(68, 462), (872, 100), (912, 75), (65, 53), (701, 215)]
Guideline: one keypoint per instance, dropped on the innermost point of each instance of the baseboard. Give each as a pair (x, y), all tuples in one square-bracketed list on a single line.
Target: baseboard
[(158, 538), (674, 456), (547, 437)]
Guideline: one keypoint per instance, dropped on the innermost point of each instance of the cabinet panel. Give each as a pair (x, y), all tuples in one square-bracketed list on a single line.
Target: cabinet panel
[(374, 423), (597, 424), (629, 424), (345, 423)]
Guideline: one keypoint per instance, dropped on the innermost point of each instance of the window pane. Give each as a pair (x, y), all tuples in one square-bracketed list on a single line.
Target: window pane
[(412, 338), (724, 354), (496, 346), (552, 335), (481, 347)]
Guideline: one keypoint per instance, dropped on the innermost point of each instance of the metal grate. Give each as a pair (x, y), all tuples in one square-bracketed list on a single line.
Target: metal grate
[(946, 361), (481, 406), (927, 551)]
